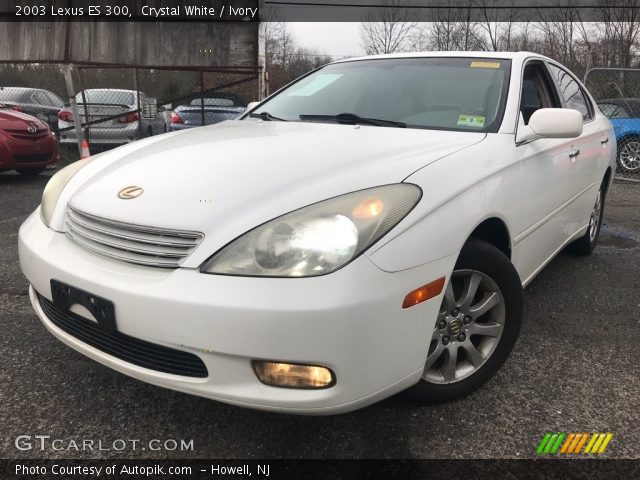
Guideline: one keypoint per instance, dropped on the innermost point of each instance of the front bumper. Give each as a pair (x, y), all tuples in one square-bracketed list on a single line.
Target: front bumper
[(28, 154), (350, 321)]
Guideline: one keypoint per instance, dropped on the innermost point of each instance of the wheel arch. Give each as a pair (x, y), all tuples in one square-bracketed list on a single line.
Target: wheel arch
[(494, 231), (627, 135), (606, 181)]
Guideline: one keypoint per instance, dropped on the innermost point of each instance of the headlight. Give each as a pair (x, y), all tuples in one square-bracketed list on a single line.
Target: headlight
[(54, 188), (317, 239)]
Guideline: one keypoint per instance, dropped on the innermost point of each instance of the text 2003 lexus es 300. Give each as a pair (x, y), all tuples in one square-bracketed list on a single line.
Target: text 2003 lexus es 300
[(366, 229)]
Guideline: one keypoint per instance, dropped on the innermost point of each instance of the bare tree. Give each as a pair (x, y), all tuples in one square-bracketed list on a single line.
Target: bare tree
[(285, 60), (454, 29), (388, 29), (620, 31), (278, 44), (561, 29), (498, 24)]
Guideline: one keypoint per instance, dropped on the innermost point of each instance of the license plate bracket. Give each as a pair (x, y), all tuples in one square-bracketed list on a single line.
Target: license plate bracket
[(65, 296)]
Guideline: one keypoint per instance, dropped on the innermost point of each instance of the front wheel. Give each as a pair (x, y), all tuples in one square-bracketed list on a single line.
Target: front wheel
[(477, 326)]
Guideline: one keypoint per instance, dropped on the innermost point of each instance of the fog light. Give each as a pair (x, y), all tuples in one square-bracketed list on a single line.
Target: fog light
[(291, 375)]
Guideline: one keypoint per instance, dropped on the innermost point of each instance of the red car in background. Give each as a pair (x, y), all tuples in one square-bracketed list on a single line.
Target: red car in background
[(26, 143)]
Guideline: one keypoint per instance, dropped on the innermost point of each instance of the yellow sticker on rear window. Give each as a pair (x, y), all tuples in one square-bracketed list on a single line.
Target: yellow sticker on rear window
[(485, 64), (476, 121)]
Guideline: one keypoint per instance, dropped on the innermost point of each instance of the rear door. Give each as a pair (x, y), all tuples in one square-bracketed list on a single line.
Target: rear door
[(593, 144)]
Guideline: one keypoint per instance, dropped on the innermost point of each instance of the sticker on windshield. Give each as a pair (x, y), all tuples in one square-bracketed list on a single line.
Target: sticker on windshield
[(318, 83), (476, 121), (485, 65)]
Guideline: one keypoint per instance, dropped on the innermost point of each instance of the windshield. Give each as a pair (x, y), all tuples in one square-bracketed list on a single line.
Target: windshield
[(106, 97), (435, 93)]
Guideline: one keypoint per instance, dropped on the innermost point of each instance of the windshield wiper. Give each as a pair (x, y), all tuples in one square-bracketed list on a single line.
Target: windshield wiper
[(266, 116), (352, 119)]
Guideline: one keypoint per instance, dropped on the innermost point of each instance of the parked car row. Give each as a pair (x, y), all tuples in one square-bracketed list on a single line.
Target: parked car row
[(114, 117)]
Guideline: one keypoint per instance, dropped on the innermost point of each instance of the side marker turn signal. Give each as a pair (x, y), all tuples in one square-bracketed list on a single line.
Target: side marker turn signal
[(423, 293)]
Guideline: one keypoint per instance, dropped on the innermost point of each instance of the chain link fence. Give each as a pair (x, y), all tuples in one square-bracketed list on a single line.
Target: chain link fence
[(617, 92), (115, 105)]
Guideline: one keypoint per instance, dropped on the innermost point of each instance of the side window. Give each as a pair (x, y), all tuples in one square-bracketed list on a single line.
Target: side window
[(611, 110), (40, 98), (536, 91), (571, 91)]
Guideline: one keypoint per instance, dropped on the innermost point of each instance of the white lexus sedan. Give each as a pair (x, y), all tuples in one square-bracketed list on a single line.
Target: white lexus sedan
[(366, 229)]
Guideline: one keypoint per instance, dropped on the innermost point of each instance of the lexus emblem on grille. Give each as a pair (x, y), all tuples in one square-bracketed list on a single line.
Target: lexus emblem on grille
[(128, 193), (31, 129)]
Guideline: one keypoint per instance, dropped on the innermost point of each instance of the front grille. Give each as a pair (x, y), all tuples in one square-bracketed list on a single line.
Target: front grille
[(130, 349), (131, 243), (40, 158), (27, 136)]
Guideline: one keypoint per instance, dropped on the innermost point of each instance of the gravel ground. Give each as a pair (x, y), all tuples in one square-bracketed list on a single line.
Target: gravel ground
[(573, 369)]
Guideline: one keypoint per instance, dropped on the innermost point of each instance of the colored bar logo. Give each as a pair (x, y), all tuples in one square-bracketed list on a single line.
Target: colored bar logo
[(573, 443)]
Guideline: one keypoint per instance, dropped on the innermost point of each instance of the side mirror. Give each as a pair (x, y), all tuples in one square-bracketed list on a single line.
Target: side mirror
[(251, 106), (551, 123)]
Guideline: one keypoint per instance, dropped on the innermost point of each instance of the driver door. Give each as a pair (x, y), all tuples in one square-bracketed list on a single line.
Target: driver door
[(549, 180)]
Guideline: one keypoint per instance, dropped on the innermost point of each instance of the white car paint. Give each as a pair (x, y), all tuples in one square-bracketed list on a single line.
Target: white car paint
[(225, 179)]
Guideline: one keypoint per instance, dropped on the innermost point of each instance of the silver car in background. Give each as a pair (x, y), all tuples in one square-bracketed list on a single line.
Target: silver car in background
[(115, 117)]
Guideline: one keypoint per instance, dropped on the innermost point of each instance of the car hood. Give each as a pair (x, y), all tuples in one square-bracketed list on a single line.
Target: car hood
[(12, 120), (225, 179)]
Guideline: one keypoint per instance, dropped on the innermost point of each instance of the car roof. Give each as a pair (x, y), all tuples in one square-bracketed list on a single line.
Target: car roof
[(457, 54), (12, 89), (112, 90)]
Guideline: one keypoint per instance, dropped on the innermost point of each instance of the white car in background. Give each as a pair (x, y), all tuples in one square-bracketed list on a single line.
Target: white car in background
[(366, 229)]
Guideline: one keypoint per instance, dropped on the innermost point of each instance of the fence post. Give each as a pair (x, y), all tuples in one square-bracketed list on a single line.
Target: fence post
[(68, 71), (137, 89), (202, 97)]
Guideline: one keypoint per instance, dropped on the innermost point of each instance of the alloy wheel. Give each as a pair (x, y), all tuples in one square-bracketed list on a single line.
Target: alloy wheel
[(595, 217), (468, 329), (630, 156)]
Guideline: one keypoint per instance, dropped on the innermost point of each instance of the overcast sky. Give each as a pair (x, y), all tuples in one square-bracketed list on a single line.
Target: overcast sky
[(339, 39)]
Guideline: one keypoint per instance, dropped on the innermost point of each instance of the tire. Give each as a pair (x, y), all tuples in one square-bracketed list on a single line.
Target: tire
[(586, 244), (497, 327), (629, 155), (29, 172)]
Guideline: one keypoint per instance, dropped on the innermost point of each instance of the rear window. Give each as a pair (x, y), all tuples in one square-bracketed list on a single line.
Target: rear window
[(213, 102), (106, 97)]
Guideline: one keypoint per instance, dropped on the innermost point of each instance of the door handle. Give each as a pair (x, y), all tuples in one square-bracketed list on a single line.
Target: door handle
[(574, 152), (604, 141)]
